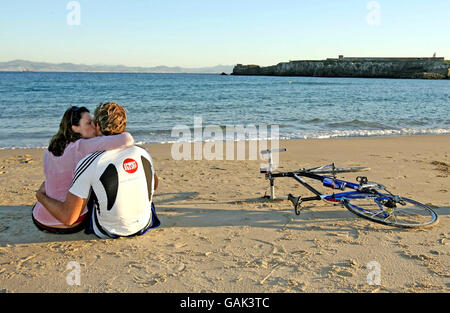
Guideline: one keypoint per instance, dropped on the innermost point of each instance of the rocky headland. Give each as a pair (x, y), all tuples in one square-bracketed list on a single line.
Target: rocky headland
[(419, 68)]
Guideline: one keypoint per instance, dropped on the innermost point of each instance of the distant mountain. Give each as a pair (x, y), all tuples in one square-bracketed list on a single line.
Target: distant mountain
[(23, 65)]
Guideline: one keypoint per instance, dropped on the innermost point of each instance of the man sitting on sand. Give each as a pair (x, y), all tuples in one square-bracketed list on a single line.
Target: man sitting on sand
[(118, 183)]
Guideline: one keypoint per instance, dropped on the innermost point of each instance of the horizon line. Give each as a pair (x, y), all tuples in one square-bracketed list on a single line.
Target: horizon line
[(139, 66)]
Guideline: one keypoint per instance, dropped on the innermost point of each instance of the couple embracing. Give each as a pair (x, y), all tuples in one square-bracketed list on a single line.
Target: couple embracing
[(96, 178)]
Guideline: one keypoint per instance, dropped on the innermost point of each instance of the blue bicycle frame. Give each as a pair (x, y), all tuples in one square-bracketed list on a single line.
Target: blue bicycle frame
[(333, 183), (361, 195)]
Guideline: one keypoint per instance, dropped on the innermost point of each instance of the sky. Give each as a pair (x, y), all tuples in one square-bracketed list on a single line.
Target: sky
[(201, 33)]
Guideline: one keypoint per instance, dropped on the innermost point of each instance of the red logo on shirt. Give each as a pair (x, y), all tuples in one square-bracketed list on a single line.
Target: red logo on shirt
[(130, 166)]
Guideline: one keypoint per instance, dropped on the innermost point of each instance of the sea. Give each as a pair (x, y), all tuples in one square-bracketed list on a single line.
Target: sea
[(32, 104)]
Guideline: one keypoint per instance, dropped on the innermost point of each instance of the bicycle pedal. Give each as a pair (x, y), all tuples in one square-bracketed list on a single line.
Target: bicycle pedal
[(298, 209)]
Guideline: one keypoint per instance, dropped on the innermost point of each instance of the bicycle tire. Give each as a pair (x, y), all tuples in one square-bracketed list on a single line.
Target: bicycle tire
[(411, 215), (340, 170)]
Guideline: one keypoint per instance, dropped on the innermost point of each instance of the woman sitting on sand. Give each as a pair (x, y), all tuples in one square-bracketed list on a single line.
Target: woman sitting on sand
[(74, 140)]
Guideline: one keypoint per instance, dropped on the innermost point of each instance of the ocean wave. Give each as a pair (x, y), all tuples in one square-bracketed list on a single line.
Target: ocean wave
[(282, 136), (371, 133), (313, 121), (360, 124), (314, 135)]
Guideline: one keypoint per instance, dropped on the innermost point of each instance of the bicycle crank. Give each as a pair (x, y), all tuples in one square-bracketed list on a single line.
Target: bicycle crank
[(296, 201)]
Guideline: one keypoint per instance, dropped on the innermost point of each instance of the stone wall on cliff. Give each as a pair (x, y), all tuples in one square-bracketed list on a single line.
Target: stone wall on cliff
[(435, 68)]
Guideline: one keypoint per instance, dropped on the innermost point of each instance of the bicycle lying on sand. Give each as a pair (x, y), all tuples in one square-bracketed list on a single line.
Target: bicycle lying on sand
[(365, 201)]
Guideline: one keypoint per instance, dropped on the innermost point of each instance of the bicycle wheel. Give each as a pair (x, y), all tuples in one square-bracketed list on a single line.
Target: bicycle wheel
[(390, 210), (339, 170)]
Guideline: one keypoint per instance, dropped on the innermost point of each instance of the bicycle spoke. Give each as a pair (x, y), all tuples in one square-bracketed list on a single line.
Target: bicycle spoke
[(386, 210)]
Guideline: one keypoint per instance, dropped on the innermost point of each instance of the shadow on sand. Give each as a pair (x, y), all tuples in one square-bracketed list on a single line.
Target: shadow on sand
[(16, 226)]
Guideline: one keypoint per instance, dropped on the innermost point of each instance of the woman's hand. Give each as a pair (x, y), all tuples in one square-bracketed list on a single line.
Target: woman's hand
[(42, 188), (38, 195)]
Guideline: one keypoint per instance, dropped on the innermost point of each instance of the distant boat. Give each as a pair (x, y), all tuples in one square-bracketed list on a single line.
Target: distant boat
[(24, 70)]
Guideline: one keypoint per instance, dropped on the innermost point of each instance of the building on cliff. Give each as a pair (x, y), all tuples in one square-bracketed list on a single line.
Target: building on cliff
[(371, 67)]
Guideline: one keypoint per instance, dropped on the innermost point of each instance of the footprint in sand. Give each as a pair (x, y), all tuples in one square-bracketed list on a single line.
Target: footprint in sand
[(136, 265), (177, 245), (442, 167), (344, 273), (419, 257)]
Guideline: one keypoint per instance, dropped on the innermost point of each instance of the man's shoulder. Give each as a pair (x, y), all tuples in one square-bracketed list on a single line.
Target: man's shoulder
[(138, 149), (113, 155), (141, 148)]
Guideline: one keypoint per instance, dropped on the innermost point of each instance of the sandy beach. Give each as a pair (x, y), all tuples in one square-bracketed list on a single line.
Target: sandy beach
[(219, 235)]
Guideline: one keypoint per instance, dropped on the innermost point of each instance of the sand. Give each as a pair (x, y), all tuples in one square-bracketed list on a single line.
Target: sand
[(219, 235)]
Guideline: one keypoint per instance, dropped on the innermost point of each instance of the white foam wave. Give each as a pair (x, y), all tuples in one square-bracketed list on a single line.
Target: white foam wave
[(285, 136), (371, 133)]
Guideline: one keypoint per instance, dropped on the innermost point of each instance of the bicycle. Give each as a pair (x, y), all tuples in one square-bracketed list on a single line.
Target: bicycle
[(365, 201)]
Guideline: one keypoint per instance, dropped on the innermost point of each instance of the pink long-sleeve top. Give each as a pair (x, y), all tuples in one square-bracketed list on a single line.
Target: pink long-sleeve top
[(59, 170)]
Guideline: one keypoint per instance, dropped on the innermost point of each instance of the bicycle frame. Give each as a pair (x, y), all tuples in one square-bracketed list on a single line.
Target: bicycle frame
[(331, 182), (333, 197), (319, 196)]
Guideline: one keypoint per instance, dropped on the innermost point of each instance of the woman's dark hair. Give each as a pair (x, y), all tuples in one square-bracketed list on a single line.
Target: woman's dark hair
[(65, 134)]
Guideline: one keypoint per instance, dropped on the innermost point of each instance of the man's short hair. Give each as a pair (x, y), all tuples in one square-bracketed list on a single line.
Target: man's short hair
[(111, 117)]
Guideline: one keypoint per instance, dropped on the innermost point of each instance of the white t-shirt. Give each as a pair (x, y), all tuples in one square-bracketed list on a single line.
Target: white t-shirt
[(120, 184)]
